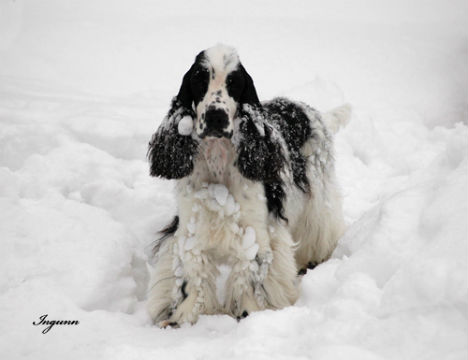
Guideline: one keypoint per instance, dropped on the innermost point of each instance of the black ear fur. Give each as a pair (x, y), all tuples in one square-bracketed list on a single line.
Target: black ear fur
[(260, 157), (185, 96), (170, 154), (249, 95)]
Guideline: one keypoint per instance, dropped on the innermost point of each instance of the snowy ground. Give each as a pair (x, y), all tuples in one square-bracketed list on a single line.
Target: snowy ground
[(84, 84)]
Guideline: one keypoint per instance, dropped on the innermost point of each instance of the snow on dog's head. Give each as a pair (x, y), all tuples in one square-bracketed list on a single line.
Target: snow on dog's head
[(216, 86), (217, 107)]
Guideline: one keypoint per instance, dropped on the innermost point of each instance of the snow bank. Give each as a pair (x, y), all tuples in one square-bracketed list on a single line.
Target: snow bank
[(84, 85)]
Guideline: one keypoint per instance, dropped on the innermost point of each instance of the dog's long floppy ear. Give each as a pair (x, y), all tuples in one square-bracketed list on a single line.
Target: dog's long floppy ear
[(249, 94), (185, 96), (172, 149), (260, 154)]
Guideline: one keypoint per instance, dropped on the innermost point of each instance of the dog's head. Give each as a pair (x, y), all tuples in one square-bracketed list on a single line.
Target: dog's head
[(215, 87), (217, 100)]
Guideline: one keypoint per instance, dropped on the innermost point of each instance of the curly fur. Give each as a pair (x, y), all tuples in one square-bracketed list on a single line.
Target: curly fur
[(259, 196)]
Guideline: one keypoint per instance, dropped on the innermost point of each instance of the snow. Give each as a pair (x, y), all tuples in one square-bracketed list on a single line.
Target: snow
[(248, 243), (191, 226), (221, 280), (220, 193), (83, 85), (190, 243), (185, 126)]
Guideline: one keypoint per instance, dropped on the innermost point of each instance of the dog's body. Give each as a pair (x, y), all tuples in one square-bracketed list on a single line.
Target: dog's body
[(255, 192)]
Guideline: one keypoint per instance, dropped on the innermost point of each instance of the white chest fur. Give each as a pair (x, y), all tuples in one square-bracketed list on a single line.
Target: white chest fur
[(223, 221), (220, 208), (218, 154)]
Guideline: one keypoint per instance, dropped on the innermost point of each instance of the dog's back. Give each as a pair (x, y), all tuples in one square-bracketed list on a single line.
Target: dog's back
[(313, 206), (255, 192)]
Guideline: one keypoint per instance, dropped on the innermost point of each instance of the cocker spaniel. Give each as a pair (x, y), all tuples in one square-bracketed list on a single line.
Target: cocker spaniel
[(256, 195)]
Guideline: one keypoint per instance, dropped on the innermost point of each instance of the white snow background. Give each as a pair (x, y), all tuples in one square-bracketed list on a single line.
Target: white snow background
[(84, 84)]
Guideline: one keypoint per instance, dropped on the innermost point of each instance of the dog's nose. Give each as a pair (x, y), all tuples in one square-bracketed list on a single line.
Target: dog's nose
[(216, 122)]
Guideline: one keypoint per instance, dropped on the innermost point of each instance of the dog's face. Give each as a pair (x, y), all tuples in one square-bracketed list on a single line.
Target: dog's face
[(215, 87), (213, 94)]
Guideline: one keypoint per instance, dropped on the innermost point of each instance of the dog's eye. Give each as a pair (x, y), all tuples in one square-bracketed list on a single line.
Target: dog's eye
[(200, 73), (235, 84), (199, 83), (233, 81)]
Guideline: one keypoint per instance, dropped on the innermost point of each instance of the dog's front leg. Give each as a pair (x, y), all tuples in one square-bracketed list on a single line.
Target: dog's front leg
[(194, 292), (245, 290), (163, 282), (264, 276)]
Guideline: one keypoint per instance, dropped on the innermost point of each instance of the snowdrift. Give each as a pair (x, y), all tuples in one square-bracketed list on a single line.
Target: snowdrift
[(84, 85)]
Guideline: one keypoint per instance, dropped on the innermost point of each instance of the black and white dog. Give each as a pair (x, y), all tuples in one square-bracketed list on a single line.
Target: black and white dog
[(256, 194)]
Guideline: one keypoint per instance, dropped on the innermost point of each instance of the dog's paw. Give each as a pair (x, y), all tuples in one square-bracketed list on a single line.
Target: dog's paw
[(242, 316), (241, 309), (311, 265), (186, 312), (168, 323)]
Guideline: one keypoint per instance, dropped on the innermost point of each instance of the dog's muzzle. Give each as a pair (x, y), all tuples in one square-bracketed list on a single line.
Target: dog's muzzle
[(217, 122)]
